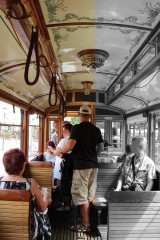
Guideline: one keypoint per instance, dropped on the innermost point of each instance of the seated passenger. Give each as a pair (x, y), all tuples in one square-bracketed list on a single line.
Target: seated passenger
[(14, 162), (49, 156), (125, 156), (138, 171)]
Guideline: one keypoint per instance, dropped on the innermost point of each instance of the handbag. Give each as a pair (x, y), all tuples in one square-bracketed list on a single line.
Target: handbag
[(40, 225)]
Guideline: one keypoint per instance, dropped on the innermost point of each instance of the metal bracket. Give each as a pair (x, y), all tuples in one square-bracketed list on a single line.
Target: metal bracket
[(9, 11)]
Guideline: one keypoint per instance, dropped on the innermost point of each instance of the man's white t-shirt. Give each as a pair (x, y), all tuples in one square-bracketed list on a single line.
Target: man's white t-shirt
[(57, 173)]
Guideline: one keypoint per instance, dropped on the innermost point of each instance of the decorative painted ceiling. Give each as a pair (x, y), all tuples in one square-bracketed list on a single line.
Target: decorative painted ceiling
[(120, 27)]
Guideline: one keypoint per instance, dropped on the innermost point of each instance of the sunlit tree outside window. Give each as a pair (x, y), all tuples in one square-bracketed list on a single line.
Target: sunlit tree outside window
[(10, 129), (33, 135)]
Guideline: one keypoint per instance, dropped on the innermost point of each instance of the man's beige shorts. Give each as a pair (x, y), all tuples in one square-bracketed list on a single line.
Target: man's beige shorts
[(84, 183)]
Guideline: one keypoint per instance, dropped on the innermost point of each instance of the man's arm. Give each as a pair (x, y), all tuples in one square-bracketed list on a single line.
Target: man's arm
[(68, 146), (149, 185), (100, 147), (57, 151)]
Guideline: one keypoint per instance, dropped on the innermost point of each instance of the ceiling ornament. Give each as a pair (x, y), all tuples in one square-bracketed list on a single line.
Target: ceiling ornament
[(92, 59), (87, 87)]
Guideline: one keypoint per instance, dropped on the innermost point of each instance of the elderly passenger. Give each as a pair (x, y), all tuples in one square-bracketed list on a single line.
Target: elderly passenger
[(138, 171)]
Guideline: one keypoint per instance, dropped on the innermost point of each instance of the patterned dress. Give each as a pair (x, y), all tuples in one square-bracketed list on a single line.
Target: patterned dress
[(40, 225)]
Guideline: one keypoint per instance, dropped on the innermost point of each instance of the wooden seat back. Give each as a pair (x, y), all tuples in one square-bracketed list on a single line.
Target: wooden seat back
[(134, 215), (15, 214), (42, 172), (107, 178)]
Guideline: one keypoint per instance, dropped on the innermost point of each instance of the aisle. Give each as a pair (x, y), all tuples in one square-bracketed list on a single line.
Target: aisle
[(61, 223)]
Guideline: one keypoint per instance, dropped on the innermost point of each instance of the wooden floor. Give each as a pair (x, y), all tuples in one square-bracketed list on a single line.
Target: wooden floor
[(61, 223)]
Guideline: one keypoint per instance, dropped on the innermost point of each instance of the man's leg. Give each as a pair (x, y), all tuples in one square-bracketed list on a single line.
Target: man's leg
[(85, 214)]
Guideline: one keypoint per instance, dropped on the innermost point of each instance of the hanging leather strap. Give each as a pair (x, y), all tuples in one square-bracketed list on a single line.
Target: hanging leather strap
[(53, 84), (62, 103), (33, 43), (133, 168), (134, 172)]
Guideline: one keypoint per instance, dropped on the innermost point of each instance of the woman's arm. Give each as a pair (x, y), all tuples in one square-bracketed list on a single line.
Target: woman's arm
[(41, 202)]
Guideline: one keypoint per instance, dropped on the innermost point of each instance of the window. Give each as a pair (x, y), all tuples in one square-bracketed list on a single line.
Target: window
[(10, 129), (138, 129), (117, 134), (157, 139), (73, 120), (33, 135), (101, 126)]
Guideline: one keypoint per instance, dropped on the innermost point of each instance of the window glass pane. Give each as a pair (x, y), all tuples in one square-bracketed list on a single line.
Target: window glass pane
[(33, 135), (117, 134), (157, 140), (73, 120), (10, 130), (10, 137), (137, 129), (158, 45), (147, 57), (127, 77), (101, 126), (34, 120), (9, 114)]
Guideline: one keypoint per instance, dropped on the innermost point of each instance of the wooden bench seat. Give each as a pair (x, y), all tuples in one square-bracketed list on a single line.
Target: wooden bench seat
[(15, 214), (134, 215), (107, 178), (42, 172)]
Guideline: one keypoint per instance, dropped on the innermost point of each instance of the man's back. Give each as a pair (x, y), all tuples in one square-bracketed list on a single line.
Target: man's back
[(87, 137)]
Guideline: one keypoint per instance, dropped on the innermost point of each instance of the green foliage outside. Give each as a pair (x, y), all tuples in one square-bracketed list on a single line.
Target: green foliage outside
[(74, 120), (8, 134)]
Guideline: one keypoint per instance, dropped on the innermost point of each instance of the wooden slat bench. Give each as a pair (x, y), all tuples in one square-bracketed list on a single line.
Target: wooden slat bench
[(134, 215), (107, 178), (14, 214), (42, 172)]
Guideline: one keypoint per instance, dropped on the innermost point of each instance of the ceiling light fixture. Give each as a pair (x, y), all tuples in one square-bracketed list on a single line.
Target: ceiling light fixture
[(92, 59), (87, 87)]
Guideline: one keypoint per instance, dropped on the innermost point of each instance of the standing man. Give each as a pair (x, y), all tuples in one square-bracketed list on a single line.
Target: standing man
[(85, 143), (138, 169), (54, 136)]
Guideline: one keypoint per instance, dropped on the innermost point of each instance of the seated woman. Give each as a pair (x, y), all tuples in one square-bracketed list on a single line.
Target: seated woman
[(14, 162), (49, 156)]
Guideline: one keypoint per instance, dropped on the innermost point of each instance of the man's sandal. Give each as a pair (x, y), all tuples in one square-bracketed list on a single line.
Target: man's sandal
[(83, 228), (74, 228)]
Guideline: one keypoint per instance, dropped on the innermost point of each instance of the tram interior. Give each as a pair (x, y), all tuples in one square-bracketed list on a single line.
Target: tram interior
[(56, 55)]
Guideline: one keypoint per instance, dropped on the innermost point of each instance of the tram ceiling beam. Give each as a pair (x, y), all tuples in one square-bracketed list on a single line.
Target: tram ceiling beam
[(139, 77), (55, 25)]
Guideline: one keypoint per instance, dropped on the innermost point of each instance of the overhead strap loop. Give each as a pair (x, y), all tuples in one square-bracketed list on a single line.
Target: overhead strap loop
[(47, 64), (34, 42), (63, 104), (53, 84)]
